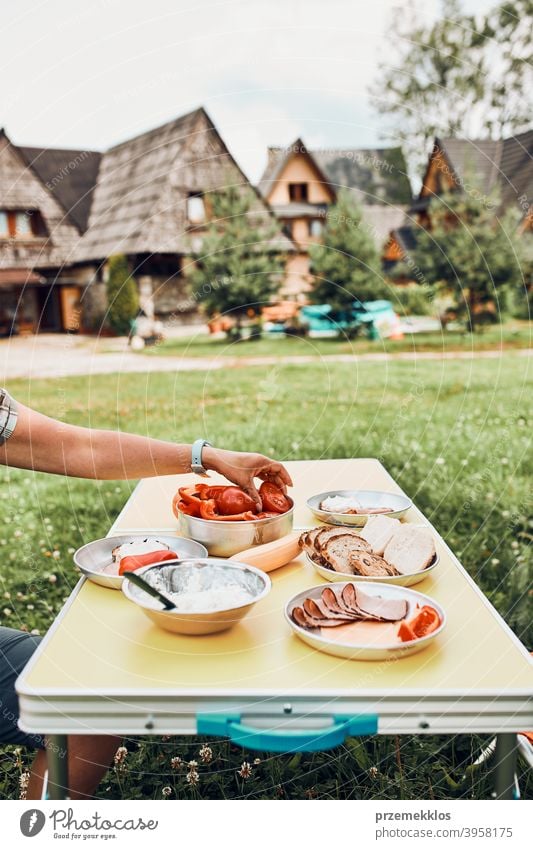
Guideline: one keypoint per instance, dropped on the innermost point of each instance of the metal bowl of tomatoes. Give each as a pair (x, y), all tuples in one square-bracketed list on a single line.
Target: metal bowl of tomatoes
[(225, 519)]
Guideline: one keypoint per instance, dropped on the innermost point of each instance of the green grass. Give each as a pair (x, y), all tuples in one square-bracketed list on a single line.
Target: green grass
[(455, 435), (515, 334)]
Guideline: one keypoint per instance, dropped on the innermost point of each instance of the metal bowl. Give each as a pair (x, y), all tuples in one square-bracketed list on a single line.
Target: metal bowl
[(95, 556), (399, 580), (175, 576), (355, 651), (367, 497), (224, 539)]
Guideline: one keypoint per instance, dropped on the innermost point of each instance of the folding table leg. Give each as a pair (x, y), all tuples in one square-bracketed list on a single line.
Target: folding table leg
[(57, 757), (505, 766)]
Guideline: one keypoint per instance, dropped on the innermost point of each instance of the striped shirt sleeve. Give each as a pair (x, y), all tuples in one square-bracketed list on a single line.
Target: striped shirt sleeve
[(8, 415)]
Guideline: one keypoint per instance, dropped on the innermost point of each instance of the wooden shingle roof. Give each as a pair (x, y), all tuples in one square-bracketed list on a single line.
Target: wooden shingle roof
[(140, 202), (377, 176), (70, 175), (506, 164)]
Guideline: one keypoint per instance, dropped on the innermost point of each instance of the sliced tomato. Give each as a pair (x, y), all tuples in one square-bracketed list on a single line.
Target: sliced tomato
[(406, 633), (273, 498), (426, 621), (136, 561), (234, 500)]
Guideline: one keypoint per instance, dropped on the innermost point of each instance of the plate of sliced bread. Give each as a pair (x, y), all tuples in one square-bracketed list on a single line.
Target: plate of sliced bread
[(384, 551)]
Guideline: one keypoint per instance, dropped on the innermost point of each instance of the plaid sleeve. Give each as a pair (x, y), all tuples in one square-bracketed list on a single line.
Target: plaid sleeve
[(8, 415)]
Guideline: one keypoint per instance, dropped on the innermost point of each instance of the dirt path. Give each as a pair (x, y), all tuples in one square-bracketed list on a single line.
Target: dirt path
[(69, 356)]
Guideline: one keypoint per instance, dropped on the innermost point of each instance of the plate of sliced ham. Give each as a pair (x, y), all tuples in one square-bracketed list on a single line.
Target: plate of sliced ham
[(385, 550), (370, 622), (354, 506)]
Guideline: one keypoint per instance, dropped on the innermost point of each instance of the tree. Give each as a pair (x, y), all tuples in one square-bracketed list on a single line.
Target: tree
[(240, 266), (346, 265), (122, 295), (461, 75), (470, 252)]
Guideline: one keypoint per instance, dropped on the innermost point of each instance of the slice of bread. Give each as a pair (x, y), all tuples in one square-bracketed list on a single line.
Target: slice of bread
[(379, 531), (411, 549), (322, 539), (337, 551), (370, 565)]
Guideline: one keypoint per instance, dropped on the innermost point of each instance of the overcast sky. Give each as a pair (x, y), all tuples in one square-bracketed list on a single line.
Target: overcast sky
[(93, 73)]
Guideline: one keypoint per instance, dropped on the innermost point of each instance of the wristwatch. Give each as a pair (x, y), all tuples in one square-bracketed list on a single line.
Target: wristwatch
[(196, 457)]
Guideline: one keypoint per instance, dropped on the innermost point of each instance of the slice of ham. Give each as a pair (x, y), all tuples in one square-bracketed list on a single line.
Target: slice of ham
[(319, 610), (351, 604), (305, 621), (386, 609)]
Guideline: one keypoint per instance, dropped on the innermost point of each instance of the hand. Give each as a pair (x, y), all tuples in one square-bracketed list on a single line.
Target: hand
[(241, 468)]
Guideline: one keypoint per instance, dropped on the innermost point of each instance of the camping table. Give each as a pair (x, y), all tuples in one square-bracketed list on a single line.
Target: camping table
[(105, 668)]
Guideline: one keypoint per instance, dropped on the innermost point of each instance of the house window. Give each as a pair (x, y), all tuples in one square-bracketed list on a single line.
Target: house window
[(316, 227), (20, 223), (195, 208), (298, 191)]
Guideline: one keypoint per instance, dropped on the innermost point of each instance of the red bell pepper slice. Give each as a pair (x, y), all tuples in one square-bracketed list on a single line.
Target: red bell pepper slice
[(192, 509), (188, 494), (136, 561)]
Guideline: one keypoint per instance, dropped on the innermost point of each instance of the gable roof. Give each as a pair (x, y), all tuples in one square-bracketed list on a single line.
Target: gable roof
[(139, 203), (278, 157), (377, 176), (506, 164), (70, 175)]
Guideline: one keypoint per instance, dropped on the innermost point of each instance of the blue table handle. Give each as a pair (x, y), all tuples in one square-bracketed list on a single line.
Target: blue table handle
[(288, 740)]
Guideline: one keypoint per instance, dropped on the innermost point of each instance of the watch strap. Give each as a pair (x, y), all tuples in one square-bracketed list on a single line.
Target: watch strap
[(196, 457)]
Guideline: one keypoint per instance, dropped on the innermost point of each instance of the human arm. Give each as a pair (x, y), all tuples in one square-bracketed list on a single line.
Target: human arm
[(48, 445)]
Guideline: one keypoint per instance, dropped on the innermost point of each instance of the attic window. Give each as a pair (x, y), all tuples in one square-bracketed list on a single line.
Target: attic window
[(298, 191), (195, 208), (21, 224)]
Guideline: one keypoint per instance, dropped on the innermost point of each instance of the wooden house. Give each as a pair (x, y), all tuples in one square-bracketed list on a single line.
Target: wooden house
[(151, 203), (301, 184), (64, 213), (45, 197), (477, 165)]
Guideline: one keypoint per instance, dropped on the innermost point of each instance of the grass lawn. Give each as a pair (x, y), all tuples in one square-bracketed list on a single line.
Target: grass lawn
[(514, 334), (456, 436)]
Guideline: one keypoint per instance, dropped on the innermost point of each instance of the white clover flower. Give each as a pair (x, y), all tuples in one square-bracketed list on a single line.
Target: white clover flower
[(166, 792), (120, 755), (245, 770), (206, 754), (176, 762), (193, 777)]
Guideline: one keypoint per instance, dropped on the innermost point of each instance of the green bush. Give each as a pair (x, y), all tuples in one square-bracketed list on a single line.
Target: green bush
[(411, 300), (122, 296)]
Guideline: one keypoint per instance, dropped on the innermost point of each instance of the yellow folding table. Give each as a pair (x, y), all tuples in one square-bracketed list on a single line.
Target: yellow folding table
[(105, 668)]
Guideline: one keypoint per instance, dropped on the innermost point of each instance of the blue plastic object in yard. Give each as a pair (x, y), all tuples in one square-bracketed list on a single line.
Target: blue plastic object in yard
[(373, 315)]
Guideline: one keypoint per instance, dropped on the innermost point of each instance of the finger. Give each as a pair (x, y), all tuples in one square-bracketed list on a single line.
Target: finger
[(250, 489), (279, 470)]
